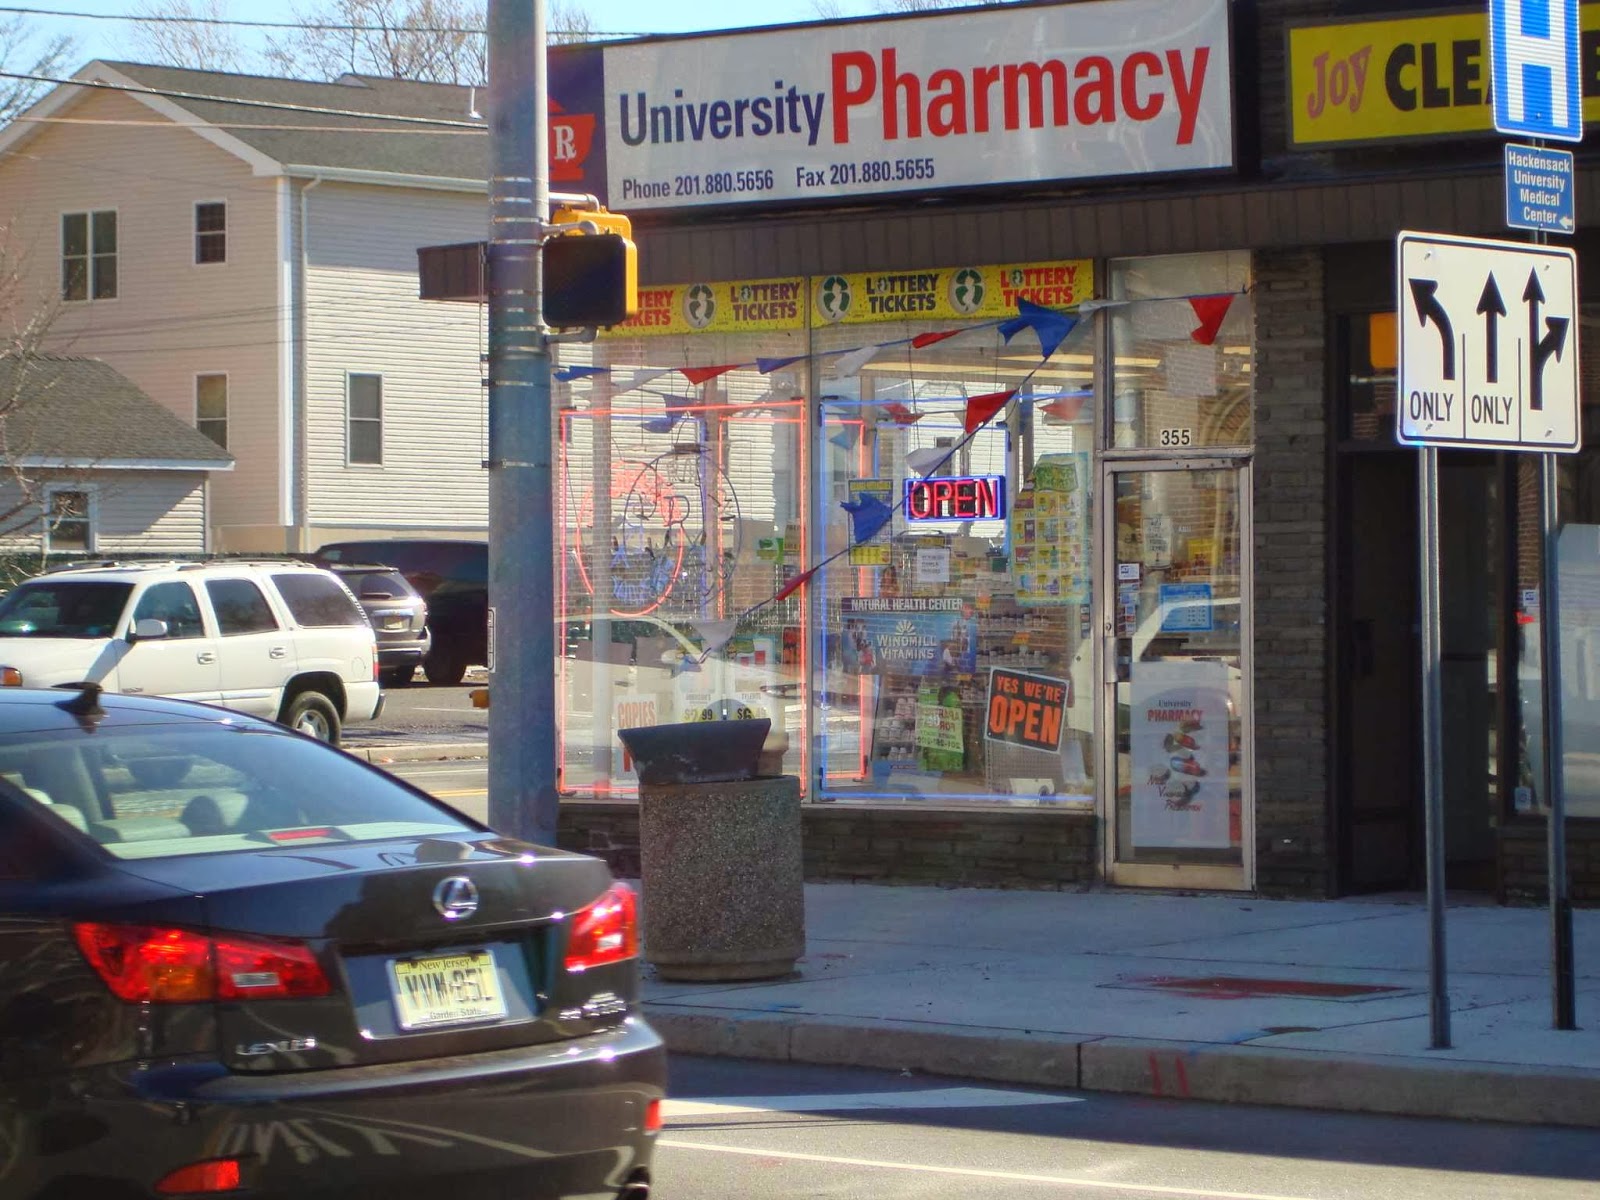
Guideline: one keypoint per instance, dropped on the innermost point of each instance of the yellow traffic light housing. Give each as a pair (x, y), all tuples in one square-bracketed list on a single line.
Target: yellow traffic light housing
[(590, 279)]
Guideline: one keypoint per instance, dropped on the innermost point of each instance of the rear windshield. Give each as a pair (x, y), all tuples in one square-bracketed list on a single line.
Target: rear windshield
[(167, 791), (378, 585), (64, 609)]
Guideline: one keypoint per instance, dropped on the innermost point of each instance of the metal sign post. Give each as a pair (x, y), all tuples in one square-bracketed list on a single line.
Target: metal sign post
[(1433, 746), (1562, 978)]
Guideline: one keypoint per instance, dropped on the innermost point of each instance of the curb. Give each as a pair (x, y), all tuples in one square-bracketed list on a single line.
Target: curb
[(418, 752), (1173, 1070)]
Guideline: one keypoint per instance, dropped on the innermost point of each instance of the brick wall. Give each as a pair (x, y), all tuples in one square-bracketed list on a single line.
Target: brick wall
[(1007, 848), (1294, 856), (1522, 863)]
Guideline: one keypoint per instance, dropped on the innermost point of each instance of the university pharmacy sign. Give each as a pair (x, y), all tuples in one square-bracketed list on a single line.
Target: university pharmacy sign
[(1012, 95)]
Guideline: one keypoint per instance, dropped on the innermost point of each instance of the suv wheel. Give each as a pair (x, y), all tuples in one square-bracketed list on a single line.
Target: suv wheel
[(314, 715), (445, 668)]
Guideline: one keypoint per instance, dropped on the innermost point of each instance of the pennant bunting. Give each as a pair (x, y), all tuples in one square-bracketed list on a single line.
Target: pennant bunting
[(568, 374), (981, 408), (677, 407), (844, 439), (1089, 307), (768, 365), (868, 515), (794, 585), (1067, 408), (1210, 311), (1051, 326), (900, 414), (923, 340), (925, 462), (641, 377), (850, 363), (699, 375), (716, 634)]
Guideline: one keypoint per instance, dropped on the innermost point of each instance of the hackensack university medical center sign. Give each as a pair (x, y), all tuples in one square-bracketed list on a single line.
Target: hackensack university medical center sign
[(1012, 95)]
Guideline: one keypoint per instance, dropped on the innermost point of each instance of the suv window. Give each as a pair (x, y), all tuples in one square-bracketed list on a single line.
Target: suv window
[(175, 604), (317, 600), (240, 607), (63, 609), (379, 585)]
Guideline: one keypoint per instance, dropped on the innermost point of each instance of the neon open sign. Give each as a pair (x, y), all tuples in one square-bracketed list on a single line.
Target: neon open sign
[(956, 498)]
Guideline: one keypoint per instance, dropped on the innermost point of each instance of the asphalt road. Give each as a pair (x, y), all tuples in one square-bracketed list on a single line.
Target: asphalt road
[(422, 713), (463, 785), (756, 1130)]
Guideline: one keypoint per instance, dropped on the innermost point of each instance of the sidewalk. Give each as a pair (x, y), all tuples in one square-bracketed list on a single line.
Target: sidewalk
[(1313, 1004)]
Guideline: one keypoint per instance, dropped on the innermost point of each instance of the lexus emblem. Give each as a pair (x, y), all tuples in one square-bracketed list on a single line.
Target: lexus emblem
[(456, 897)]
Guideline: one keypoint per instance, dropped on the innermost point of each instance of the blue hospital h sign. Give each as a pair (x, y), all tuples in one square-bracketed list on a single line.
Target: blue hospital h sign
[(1533, 48)]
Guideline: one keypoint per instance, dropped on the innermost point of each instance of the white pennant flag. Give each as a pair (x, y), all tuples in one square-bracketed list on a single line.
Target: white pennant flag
[(642, 377), (850, 364), (716, 634), (923, 461)]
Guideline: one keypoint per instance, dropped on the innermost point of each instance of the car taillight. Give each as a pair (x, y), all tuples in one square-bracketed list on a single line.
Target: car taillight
[(217, 1175), (155, 965), (607, 931), (375, 668)]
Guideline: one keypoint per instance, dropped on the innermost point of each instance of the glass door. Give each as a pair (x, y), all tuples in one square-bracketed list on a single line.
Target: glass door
[(1176, 668)]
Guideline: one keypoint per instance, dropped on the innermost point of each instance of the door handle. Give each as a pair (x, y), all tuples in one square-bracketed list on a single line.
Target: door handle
[(206, 656), (277, 652)]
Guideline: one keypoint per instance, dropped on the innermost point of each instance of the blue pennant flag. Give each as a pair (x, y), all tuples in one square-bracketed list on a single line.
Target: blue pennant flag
[(844, 439), (568, 374), (868, 515), (768, 365), (1051, 326), (675, 411)]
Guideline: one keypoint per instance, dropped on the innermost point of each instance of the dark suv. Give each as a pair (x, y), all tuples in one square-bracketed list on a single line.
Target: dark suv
[(453, 577)]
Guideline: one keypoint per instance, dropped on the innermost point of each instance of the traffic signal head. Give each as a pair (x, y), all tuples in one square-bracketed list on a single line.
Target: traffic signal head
[(590, 279)]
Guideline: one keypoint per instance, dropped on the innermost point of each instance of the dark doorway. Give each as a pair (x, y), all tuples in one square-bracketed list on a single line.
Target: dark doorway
[(1378, 759)]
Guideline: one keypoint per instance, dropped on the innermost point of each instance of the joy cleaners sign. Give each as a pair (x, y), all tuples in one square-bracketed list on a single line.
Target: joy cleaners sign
[(1013, 95)]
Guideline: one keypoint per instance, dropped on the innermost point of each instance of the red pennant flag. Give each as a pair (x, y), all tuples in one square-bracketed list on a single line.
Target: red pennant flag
[(900, 414), (1210, 310), (699, 375), (1065, 409), (981, 408), (794, 585), (923, 340)]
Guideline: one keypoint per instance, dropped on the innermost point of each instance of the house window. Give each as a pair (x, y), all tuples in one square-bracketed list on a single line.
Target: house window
[(89, 256), (364, 402), (211, 407), (211, 232), (69, 521)]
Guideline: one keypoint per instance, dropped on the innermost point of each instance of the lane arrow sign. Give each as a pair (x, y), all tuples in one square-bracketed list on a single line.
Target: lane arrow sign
[(1424, 296), (1543, 348), (1491, 307)]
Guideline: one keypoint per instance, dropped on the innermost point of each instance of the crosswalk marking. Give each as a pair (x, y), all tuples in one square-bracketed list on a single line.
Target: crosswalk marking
[(958, 1097)]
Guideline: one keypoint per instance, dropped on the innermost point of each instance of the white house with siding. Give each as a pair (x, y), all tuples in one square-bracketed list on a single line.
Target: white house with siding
[(252, 268)]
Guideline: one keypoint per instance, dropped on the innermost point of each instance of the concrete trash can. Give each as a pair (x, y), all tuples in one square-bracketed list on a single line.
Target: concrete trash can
[(720, 862)]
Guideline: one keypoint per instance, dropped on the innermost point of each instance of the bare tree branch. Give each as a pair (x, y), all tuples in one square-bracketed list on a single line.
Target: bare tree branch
[(25, 53), (209, 47)]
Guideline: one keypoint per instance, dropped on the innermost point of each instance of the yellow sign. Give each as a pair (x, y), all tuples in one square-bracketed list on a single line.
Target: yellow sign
[(744, 305), (1411, 77), (952, 294)]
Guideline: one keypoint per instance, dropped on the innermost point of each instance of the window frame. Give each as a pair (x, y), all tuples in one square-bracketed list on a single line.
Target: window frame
[(198, 419), (91, 517), (89, 255), (222, 233), (350, 420)]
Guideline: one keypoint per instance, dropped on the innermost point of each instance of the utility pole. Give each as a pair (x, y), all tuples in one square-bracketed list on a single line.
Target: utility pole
[(523, 798)]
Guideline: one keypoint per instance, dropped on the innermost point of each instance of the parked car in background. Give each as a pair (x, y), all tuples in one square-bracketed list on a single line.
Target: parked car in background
[(238, 962), (399, 616), (453, 577), (278, 639)]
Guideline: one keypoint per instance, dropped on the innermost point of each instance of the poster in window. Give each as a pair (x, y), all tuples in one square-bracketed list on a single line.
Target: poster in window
[(1179, 746), (1050, 533), (907, 635)]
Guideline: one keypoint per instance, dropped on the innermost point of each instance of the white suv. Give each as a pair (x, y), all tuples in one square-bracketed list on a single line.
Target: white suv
[(279, 640)]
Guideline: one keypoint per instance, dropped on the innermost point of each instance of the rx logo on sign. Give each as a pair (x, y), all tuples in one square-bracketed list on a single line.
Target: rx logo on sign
[(1533, 54)]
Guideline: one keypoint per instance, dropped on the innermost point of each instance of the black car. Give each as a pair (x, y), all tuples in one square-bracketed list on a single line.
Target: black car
[(236, 961), (399, 617), (453, 577)]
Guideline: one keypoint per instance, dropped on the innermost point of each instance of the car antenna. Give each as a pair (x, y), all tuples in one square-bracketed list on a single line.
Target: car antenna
[(86, 704)]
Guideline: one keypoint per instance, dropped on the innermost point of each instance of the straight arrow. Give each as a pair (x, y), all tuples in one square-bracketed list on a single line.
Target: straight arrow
[(1424, 296), (1491, 307)]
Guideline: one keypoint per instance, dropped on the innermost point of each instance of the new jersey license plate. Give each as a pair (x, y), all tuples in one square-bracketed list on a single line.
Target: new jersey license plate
[(446, 989)]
